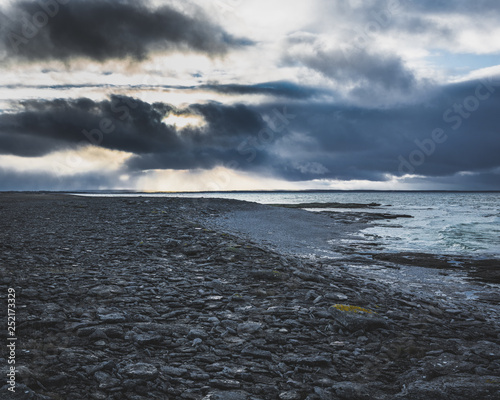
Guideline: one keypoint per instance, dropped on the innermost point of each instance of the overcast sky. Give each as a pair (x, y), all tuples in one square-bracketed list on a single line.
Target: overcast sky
[(249, 94)]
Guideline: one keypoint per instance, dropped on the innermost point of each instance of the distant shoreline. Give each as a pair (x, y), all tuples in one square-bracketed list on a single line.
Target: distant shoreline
[(245, 191)]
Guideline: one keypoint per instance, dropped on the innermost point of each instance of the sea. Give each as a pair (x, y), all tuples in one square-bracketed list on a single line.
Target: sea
[(457, 223)]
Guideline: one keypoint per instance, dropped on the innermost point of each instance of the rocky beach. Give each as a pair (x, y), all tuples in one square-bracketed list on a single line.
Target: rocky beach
[(169, 298)]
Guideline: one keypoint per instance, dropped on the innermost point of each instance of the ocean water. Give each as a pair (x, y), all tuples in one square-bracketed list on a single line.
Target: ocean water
[(459, 223)]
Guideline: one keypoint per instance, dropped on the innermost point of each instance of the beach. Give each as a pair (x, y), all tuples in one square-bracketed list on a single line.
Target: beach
[(166, 298)]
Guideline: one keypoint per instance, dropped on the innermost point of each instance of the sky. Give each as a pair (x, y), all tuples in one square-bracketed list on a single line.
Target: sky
[(159, 95)]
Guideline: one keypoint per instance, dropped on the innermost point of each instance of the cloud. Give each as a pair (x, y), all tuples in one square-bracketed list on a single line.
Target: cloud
[(457, 6), (106, 29), (361, 67), (361, 72), (45, 126), (287, 140), (275, 89), (34, 181), (285, 89), (129, 125)]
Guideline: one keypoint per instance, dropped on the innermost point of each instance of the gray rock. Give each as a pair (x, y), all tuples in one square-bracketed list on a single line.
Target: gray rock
[(256, 353), (312, 361), (290, 395), (227, 395), (357, 321), (112, 318), (248, 327), (452, 388), (224, 383), (173, 371), (98, 334), (140, 371), (148, 338), (193, 250), (197, 334), (105, 380), (105, 291), (351, 391)]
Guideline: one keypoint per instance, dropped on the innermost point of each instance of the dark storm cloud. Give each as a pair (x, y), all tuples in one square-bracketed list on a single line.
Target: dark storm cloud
[(45, 126), (288, 140), (362, 143), (284, 89), (127, 124), (276, 89), (106, 29)]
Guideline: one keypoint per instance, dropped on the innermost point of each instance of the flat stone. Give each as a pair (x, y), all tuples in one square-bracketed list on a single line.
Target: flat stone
[(105, 380), (173, 371), (224, 383), (197, 334), (112, 318), (351, 391), (356, 321), (291, 395), (227, 395), (248, 327), (146, 338), (313, 361), (105, 291), (256, 353), (140, 371), (452, 387)]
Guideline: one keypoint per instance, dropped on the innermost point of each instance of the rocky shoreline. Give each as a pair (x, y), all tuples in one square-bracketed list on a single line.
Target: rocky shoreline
[(150, 298)]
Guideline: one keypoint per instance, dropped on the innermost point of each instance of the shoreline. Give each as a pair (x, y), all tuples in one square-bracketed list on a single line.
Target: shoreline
[(154, 297)]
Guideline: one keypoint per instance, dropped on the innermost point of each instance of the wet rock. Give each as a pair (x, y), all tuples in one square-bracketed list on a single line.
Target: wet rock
[(290, 395), (97, 334), (248, 328), (112, 317), (354, 321), (444, 364), (228, 395), (224, 383), (105, 291), (193, 250), (197, 334), (106, 381), (351, 391), (452, 387), (140, 371), (256, 353), (148, 338), (173, 371), (312, 361), (267, 275)]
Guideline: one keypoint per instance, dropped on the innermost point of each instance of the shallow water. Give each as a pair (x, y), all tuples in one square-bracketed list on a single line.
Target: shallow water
[(464, 223)]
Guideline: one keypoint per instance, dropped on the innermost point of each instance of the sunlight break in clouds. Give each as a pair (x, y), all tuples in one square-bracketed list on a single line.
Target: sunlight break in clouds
[(68, 162)]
